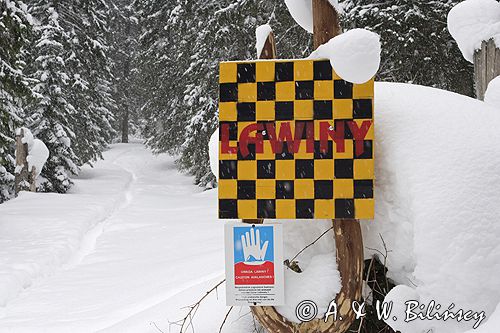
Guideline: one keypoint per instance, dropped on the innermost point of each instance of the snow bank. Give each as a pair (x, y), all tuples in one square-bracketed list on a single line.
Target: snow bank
[(318, 264), (437, 197), (354, 55), (301, 11), (491, 326), (39, 232), (492, 95), (473, 21), (261, 34)]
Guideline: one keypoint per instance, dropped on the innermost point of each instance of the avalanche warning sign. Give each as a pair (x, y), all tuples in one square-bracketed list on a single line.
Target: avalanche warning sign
[(295, 142), (254, 264)]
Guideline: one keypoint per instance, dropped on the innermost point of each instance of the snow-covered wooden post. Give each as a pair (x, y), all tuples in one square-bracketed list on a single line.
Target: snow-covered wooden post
[(23, 177), (348, 237), (486, 66), (268, 52), (474, 26)]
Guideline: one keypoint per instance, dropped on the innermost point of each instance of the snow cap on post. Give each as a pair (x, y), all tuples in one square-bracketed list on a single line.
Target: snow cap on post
[(261, 34), (492, 96), (473, 21), (302, 13), (37, 156), (354, 55)]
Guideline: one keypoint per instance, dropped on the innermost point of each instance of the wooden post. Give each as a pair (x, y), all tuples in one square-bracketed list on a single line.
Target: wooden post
[(22, 181), (326, 24), (269, 50), (348, 237), (486, 66)]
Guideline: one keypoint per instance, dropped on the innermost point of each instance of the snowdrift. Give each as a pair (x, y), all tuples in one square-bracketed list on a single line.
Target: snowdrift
[(437, 201), (437, 192)]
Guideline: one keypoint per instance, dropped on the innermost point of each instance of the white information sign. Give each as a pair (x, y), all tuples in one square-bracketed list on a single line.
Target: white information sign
[(254, 264)]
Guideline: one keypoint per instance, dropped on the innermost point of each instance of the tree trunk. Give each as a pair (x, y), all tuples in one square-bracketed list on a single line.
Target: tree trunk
[(126, 98), (348, 237), (125, 123), (486, 66), (22, 181)]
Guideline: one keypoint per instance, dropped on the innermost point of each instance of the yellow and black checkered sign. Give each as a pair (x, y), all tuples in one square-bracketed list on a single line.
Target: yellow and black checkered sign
[(296, 142)]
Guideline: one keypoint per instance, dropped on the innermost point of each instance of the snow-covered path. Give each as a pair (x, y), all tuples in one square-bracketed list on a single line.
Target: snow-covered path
[(149, 239)]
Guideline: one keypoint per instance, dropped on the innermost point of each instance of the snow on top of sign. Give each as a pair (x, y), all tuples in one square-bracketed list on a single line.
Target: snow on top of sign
[(492, 95), (354, 55), (301, 11), (473, 21), (261, 34)]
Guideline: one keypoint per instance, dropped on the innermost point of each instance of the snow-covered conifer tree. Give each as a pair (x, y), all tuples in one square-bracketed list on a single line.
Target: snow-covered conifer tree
[(15, 29), (416, 44), (53, 115)]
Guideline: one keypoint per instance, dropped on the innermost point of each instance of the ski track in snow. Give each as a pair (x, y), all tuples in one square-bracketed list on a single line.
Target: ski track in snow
[(138, 254), (90, 239)]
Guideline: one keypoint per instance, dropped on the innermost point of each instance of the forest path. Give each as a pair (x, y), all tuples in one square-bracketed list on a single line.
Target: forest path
[(158, 239)]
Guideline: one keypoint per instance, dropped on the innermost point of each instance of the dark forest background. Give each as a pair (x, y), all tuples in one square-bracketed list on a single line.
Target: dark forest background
[(82, 74)]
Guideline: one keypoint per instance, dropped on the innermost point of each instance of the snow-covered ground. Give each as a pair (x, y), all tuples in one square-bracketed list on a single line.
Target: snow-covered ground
[(132, 234), (135, 241)]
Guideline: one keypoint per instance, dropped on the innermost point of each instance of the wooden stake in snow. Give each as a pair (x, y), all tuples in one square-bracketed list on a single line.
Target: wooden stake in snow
[(348, 237), (269, 50), (486, 66), (25, 181)]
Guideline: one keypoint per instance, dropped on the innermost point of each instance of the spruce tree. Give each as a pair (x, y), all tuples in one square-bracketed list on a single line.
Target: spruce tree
[(124, 51), (416, 45), (181, 46), (15, 31), (53, 114)]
